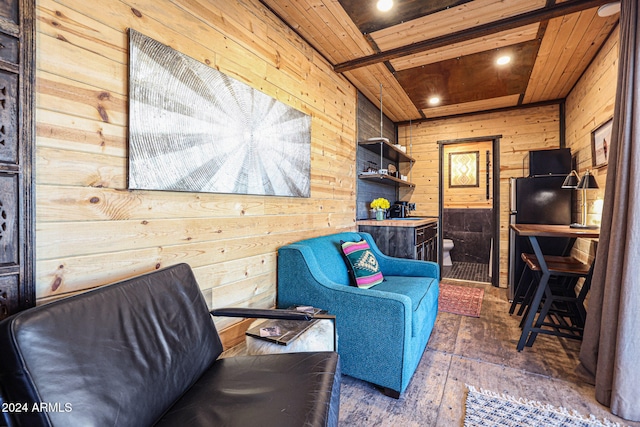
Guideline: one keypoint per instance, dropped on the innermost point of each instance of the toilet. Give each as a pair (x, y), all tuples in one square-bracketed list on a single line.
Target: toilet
[(447, 245)]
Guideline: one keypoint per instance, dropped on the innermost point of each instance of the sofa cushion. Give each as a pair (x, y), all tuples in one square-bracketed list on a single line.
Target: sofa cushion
[(267, 390), (362, 264), (422, 291)]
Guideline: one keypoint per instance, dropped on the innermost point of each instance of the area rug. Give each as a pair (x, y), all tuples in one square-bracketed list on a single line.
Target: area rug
[(463, 300), (487, 408)]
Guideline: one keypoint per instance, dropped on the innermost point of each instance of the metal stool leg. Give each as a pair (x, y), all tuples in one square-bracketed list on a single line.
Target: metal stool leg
[(520, 292), (532, 310)]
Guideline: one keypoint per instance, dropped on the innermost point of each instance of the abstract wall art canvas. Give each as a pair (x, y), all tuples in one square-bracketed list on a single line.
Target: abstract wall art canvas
[(463, 169), (193, 128)]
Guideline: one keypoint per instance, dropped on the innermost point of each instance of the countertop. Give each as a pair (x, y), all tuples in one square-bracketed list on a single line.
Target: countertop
[(546, 230), (398, 222)]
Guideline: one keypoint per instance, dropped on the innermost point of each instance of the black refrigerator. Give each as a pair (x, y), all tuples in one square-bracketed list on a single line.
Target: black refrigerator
[(536, 200)]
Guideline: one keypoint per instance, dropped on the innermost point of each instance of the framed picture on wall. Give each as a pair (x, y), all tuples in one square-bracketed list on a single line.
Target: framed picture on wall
[(600, 142), (463, 169)]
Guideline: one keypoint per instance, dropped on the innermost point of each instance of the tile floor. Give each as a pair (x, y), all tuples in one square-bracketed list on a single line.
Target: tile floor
[(467, 271)]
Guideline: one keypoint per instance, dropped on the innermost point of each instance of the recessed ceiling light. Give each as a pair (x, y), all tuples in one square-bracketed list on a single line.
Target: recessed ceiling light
[(384, 5), (434, 100), (609, 9), (503, 60)]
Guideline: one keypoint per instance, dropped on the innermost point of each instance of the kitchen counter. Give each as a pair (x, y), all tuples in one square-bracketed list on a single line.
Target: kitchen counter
[(404, 238), (414, 223)]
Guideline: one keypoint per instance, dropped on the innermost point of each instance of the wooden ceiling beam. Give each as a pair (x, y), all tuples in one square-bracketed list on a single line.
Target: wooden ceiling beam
[(543, 14)]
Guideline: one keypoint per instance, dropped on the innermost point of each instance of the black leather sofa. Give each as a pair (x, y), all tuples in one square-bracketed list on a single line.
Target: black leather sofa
[(145, 351)]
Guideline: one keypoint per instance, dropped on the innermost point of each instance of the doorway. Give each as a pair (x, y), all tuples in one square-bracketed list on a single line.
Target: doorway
[(469, 216)]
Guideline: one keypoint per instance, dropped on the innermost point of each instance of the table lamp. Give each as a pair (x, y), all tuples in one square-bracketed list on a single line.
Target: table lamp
[(588, 181)]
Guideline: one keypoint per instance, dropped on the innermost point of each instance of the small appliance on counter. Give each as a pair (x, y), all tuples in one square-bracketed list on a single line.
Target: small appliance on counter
[(401, 209), (555, 161)]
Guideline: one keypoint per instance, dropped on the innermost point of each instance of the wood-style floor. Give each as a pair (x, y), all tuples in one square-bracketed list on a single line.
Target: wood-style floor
[(480, 352)]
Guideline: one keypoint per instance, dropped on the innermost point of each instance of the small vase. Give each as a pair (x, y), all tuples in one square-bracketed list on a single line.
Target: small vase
[(380, 214)]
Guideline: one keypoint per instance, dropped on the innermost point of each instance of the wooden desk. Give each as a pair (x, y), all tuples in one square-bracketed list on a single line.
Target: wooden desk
[(545, 230), (533, 231)]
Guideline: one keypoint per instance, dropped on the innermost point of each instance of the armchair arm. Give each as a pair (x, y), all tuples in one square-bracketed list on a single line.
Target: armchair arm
[(392, 266), (279, 314), (262, 313)]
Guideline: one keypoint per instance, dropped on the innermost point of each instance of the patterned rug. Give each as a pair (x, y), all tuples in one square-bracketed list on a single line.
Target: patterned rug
[(463, 300), (486, 408)]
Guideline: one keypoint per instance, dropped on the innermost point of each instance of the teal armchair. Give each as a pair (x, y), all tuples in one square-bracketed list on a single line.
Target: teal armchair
[(382, 331)]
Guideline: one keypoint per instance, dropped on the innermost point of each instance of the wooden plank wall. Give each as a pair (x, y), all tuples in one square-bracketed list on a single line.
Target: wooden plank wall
[(91, 230), (522, 130), (591, 103)]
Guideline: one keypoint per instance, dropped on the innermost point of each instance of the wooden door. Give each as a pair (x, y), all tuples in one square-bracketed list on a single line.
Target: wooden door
[(17, 290)]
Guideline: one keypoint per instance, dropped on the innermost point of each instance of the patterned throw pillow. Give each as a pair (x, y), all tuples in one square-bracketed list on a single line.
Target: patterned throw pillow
[(362, 263)]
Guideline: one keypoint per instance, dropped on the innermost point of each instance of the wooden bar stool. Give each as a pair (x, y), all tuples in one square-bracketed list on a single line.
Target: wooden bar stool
[(561, 312), (530, 276), (564, 275), (550, 273)]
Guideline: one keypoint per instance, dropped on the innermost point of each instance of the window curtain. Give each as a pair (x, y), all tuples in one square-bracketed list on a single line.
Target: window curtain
[(611, 345)]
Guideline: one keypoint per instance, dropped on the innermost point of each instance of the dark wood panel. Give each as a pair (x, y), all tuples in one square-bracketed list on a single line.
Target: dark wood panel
[(369, 121), (332, 28), (9, 295), (17, 290), (393, 241), (405, 242), (429, 244), (370, 190), (509, 23), (8, 117), (368, 18), (10, 11), (482, 78), (9, 219), (9, 49)]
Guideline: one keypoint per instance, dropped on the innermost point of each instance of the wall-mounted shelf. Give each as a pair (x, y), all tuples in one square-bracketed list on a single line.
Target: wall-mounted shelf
[(375, 153), (386, 179), (388, 151)]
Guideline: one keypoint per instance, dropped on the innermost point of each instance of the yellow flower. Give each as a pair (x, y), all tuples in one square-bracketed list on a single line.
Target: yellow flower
[(380, 203)]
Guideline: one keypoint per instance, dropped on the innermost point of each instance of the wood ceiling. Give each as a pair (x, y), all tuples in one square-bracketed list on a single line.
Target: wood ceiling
[(448, 48)]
